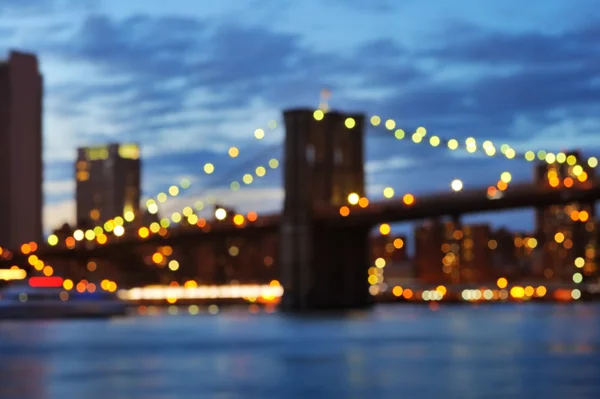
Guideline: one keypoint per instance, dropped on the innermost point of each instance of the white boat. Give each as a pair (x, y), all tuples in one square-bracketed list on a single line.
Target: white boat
[(21, 301)]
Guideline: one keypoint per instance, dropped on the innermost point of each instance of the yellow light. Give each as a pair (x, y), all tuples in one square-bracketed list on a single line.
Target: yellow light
[(143, 232), (209, 168), (273, 163), (192, 219), (550, 158), (157, 257), (577, 170), (52, 240), (417, 138), (579, 262), (571, 160), (452, 144), (129, 216), (161, 197), (399, 134), (187, 211), (506, 177), (318, 115), (380, 263), (235, 186), (174, 190), (530, 156), (90, 235), (502, 283), (397, 291), (176, 217), (421, 131), (592, 162), (233, 152), (119, 221), (184, 183), (388, 192), (259, 134), (408, 199), (434, 141), (247, 178), (68, 285), (456, 185), (510, 153), (350, 123), (353, 199), (384, 229), (173, 265), (260, 171), (390, 124), (375, 120), (220, 214), (238, 220)]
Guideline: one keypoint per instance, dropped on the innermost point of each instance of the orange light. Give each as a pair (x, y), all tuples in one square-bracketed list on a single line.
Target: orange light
[(502, 185), (344, 211), (575, 215), (238, 220), (407, 294), (397, 291), (491, 191), (70, 242), (252, 216), (25, 248), (408, 199), (157, 257), (584, 216), (363, 202), (554, 182), (102, 238), (201, 222), (33, 246), (568, 182), (143, 232)]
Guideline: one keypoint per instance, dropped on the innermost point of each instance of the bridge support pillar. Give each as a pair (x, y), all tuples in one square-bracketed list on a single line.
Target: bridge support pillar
[(325, 268), (322, 266)]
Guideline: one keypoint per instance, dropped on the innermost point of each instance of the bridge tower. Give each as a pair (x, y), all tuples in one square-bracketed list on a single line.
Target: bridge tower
[(323, 266)]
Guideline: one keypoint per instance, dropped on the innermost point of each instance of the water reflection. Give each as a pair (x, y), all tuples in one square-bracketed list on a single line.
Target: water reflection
[(540, 351)]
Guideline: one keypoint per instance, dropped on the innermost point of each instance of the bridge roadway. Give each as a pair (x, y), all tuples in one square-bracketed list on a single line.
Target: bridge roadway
[(465, 202), (388, 211)]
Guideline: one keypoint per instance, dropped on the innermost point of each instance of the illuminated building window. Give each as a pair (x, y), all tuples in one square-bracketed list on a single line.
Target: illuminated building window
[(95, 214), (83, 175), (129, 151), (97, 153)]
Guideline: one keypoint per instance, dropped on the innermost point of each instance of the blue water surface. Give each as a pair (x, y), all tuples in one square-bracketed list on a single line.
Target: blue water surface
[(402, 351)]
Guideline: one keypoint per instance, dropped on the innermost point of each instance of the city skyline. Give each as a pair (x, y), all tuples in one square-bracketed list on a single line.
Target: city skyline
[(90, 73)]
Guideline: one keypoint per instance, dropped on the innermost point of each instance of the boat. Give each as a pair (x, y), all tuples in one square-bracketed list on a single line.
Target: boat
[(44, 298)]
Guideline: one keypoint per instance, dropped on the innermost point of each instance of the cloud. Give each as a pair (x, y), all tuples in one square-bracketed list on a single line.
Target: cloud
[(186, 88)]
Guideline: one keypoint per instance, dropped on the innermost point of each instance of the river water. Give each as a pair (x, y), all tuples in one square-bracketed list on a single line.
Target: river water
[(401, 351)]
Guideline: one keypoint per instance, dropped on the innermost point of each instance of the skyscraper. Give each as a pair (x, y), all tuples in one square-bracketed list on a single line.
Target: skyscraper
[(20, 150), (108, 183), (566, 232)]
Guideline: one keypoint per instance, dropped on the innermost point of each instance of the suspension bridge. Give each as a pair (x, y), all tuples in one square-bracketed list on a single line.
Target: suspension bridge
[(318, 246)]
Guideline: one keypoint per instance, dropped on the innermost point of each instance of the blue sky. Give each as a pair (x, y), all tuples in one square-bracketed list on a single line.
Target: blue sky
[(187, 79)]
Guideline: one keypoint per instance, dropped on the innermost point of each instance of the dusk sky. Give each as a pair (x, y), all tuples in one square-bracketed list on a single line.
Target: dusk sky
[(187, 79)]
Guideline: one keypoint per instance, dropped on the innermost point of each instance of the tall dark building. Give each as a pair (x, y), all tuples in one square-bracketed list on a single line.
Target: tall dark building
[(108, 183), (566, 232), (21, 199)]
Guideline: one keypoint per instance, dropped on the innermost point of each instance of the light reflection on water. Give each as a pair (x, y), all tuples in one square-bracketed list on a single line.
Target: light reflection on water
[(501, 351)]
